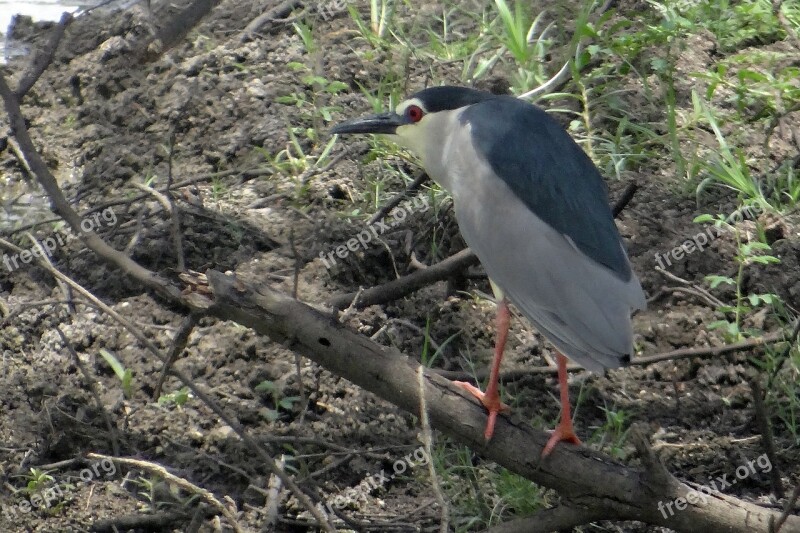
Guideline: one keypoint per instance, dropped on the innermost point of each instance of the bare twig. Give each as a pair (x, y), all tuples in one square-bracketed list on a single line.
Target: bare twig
[(178, 345), (787, 510), (698, 291), (273, 497), (43, 58), (674, 355), (427, 441), (277, 12), (710, 351), (785, 23), (168, 476), (407, 284), (43, 256), (28, 173), (175, 213), (624, 199), (762, 420), (421, 178)]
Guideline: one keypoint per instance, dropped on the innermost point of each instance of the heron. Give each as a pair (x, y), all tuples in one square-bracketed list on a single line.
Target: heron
[(534, 208)]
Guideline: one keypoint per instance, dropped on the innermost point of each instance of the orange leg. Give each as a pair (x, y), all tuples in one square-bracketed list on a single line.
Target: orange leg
[(564, 431), (491, 398)]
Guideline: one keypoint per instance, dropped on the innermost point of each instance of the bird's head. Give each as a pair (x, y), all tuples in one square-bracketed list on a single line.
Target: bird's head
[(420, 122)]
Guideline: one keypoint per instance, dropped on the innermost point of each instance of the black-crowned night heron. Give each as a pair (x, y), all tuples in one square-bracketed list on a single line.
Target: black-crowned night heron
[(534, 209)]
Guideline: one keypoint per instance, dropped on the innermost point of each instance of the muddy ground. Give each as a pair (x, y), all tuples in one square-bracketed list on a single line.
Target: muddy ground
[(104, 122)]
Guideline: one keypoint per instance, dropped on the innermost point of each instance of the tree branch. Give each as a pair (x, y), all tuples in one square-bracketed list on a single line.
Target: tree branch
[(596, 480)]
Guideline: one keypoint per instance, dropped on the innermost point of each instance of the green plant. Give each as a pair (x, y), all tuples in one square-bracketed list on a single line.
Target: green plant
[(425, 360), (177, 398), (381, 15), (125, 375), (278, 402), (527, 43), (614, 431), (748, 253), (37, 480), (728, 167)]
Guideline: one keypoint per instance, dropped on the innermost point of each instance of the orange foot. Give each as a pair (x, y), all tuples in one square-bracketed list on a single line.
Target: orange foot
[(562, 433), (490, 401)]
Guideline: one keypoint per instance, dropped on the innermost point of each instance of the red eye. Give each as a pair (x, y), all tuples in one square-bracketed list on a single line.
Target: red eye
[(414, 113)]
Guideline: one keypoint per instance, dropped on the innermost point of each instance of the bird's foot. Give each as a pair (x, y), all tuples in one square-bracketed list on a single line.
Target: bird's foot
[(490, 401), (563, 433)]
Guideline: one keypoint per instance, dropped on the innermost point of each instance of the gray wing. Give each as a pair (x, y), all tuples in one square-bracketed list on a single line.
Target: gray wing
[(555, 179), (581, 305)]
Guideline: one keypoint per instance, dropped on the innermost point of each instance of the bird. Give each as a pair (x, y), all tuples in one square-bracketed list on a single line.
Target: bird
[(534, 209)]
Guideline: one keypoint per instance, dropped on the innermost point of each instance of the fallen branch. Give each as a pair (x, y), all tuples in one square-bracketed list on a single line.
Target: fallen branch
[(407, 284), (591, 479)]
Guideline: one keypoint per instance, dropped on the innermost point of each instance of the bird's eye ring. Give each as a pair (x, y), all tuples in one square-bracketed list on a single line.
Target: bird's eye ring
[(414, 113)]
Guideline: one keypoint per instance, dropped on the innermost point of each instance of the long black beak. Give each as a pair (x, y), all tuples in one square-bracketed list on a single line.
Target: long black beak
[(382, 123)]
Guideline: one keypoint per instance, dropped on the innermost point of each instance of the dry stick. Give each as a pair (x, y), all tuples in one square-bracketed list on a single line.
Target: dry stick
[(157, 469), (44, 58), (427, 441), (674, 355), (421, 178), (786, 510), (175, 214), (624, 199), (762, 421), (398, 288), (27, 172), (92, 384), (61, 285), (297, 361), (178, 345), (599, 481), (168, 204), (697, 291), (686, 353), (249, 441), (273, 497), (277, 12)]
